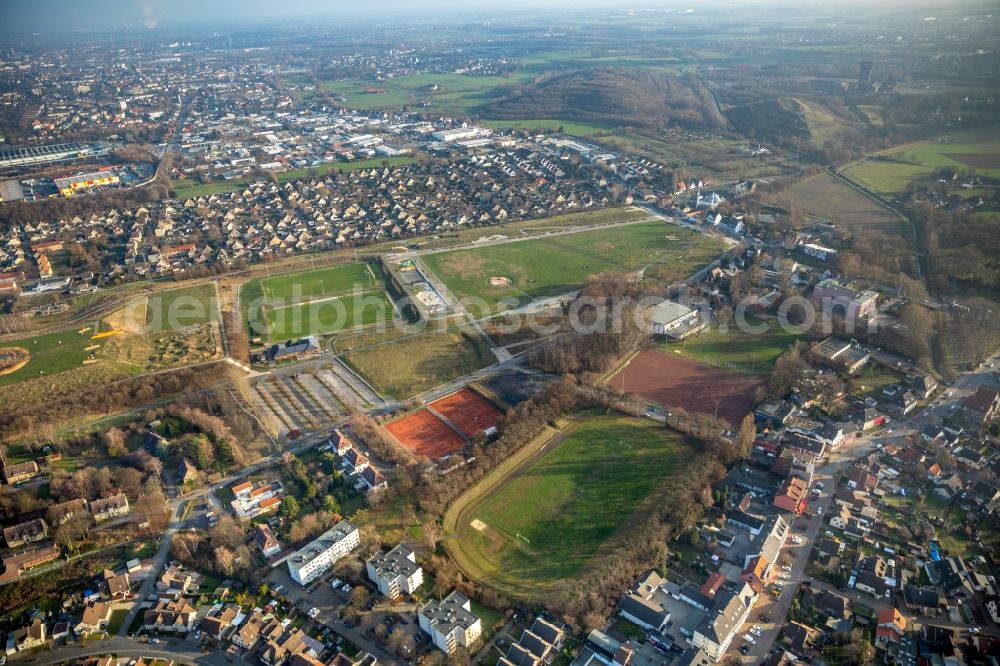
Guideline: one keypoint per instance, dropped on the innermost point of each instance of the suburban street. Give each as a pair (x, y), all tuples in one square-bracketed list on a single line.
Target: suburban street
[(829, 474), (176, 650)]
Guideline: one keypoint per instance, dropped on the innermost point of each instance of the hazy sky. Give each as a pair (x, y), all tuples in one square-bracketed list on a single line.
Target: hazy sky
[(59, 15), (29, 16)]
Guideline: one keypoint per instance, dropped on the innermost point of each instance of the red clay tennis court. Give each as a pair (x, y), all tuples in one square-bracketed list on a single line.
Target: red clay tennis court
[(425, 434), (669, 380), (469, 412)]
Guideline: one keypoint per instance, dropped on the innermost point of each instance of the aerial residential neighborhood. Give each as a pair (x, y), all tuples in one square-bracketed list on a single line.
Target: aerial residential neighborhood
[(521, 334)]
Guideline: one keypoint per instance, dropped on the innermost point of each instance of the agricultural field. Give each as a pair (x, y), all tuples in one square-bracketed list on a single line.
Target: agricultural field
[(525, 530), (543, 267), (888, 177), (317, 302), (741, 351), (408, 366), (823, 196), (970, 153)]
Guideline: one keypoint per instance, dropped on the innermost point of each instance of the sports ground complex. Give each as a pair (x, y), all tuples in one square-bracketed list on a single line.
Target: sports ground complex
[(446, 424), (559, 505), (525, 270), (317, 302)]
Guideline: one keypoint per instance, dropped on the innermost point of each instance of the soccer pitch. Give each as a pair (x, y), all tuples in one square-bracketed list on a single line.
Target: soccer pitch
[(557, 264), (317, 302), (545, 521), (324, 316)]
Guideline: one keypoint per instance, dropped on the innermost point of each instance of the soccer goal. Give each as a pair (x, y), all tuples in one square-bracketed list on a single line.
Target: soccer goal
[(625, 445), (523, 538)]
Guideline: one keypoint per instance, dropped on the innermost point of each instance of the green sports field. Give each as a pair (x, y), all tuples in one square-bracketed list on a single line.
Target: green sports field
[(749, 353), (329, 315), (556, 264), (529, 530), (317, 302)]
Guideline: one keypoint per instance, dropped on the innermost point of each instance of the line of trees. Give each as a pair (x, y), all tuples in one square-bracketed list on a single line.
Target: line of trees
[(38, 424), (368, 432)]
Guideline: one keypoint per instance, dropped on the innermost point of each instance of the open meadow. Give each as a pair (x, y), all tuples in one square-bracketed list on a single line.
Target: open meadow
[(825, 197), (411, 365), (445, 92), (524, 530), (543, 267), (970, 153)]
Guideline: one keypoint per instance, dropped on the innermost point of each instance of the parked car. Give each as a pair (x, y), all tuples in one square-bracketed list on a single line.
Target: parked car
[(749, 639)]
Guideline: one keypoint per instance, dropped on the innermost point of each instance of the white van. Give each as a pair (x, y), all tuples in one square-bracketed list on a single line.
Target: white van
[(749, 639)]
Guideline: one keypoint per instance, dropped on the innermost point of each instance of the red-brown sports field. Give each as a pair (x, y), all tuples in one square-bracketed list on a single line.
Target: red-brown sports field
[(470, 413), (425, 434), (669, 380)]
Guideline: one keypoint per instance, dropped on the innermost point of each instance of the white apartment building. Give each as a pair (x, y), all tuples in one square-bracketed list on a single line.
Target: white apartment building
[(450, 622), (396, 572), (715, 633), (311, 561)]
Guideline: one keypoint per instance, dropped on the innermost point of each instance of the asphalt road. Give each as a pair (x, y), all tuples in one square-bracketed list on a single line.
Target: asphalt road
[(176, 650)]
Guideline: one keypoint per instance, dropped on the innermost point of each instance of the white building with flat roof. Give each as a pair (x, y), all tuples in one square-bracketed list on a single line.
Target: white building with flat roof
[(460, 133), (395, 572), (450, 622), (310, 562), (673, 320)]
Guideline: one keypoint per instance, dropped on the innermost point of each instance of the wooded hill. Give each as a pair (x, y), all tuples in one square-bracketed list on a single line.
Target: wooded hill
[(610, 96)]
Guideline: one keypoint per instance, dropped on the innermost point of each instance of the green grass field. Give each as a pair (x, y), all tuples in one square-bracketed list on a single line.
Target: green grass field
[(327, 316), (454, 92), (976, 152), (571, 506), (550, 125), (888, 177), (546, 266), (179, 308), (408, 366), (50, 354), (317, 302), (331, 281), (741, 351)]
